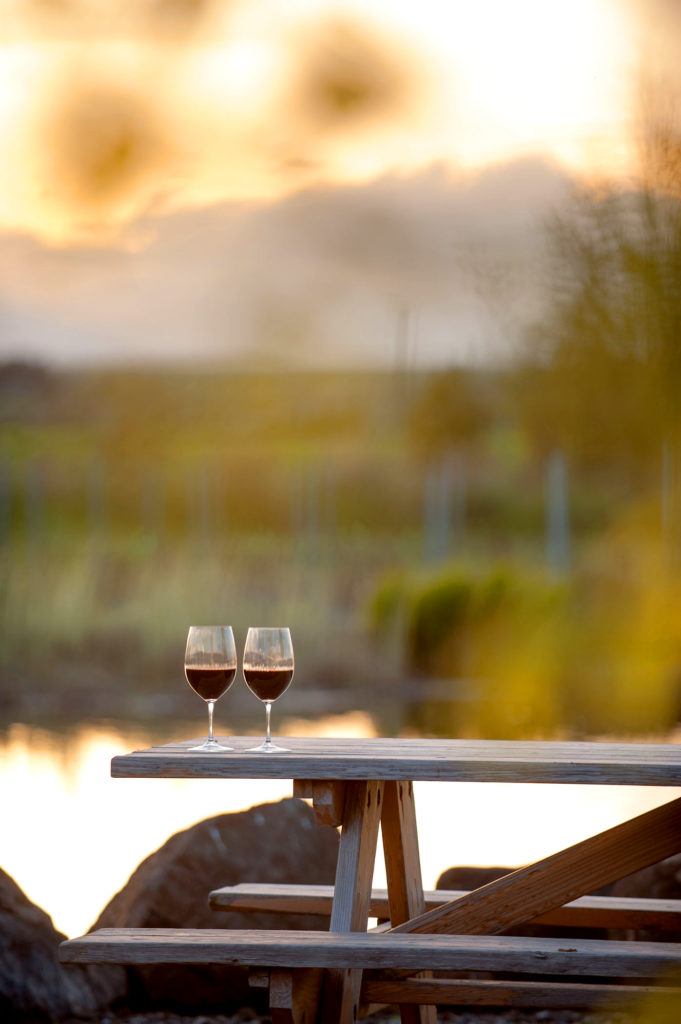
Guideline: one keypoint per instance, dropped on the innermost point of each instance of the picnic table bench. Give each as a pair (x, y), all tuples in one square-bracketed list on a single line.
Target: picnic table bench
[(357, 784), (624, 912)]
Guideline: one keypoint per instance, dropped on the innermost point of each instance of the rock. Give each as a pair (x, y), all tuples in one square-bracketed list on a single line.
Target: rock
[(465, 877), (279, 842), (34, 986)]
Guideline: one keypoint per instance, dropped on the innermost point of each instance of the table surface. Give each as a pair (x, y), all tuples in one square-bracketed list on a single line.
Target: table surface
[(596, 763)]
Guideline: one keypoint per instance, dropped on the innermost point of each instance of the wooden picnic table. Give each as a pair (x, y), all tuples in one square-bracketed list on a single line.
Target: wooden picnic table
[(358, 784)]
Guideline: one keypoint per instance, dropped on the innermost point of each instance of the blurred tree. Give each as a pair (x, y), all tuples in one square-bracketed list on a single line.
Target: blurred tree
[(608, 364), (444, 421), (605, 362), (449, 412)]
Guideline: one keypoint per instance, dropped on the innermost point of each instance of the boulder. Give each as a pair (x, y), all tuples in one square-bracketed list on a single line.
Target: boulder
[(279, 842), (34, 987), (466, 877)]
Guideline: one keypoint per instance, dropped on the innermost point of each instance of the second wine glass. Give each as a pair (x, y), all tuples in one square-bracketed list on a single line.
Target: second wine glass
[(268, 670)]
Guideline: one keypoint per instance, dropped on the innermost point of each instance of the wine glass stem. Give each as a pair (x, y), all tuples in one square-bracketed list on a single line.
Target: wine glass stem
[(268, 709), (211, 705)]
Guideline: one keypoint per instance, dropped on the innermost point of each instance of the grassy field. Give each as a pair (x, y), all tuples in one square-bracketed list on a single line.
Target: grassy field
[(133, 504)]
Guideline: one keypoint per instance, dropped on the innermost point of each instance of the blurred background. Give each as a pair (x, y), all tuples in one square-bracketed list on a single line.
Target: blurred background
[(362, 318)]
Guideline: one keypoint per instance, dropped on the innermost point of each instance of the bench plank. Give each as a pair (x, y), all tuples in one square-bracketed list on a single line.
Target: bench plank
[(381, 950), (584, 912), (446, 992)]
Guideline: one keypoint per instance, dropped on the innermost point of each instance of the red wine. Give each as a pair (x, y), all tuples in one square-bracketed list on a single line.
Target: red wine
[(210, 683), (267, 683)]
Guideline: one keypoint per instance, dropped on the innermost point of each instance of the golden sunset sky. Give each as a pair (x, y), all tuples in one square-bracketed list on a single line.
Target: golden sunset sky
[(117, 116), (108, 106)]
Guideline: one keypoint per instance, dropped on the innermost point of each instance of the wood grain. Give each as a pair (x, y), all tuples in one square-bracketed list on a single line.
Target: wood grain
[(368, 950), (403, 872), (327, 795), (584, 912), (294, 995), (412, 759), (356, 855), (442, 991), (524, 894), (352, 891)]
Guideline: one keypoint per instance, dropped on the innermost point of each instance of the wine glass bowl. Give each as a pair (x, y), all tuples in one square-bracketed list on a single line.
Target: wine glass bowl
[(210, 669), (268, 670)]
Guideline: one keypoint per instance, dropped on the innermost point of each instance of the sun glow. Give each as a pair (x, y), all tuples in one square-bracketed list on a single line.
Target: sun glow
[(529, 76), (282, 94)]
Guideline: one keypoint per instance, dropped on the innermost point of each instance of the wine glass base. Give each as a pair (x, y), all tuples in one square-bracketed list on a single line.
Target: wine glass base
[(267, 748), (209, 747)]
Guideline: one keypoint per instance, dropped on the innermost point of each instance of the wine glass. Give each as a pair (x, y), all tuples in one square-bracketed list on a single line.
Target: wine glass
[(268, 670), (210, 668)]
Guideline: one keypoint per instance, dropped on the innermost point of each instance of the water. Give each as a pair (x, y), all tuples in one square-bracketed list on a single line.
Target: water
[(72, 835)]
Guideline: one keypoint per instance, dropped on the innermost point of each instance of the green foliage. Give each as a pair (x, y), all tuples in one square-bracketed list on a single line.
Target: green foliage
[(451, 410), (438, 615), (449, 614), (605, 361), (598, 653), (387, 603), (131, 504)]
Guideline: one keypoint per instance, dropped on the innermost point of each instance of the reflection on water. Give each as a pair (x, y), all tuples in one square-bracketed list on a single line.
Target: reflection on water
[(73, 835), (354, 723)]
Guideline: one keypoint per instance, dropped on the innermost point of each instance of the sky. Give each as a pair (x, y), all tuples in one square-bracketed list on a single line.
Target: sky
[(291, 182)]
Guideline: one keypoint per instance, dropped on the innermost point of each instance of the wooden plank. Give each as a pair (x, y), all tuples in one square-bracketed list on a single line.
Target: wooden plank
[(584, 912), (258, 978), (445, 992), (549, 883), (615, 912), (356, 855), (294, 995), (327, 795), (352, 891), (403, 872), (401, 851), (414, 759), (368, 950), (282, 898)]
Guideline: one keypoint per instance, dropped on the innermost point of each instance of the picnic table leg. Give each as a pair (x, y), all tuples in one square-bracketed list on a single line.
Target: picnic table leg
[(403, 872), (352, 892), (294, 995)]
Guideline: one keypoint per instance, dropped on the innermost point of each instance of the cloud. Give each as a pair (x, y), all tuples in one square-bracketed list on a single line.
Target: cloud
[(103, 124), (160, 20), (103, 145), (319, 278), (347, 77)]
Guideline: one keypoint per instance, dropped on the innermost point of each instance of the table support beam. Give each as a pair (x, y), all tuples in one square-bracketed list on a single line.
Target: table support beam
[(327, 795), (352, 892), (294, 995), (403, 873), (524, 894)]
